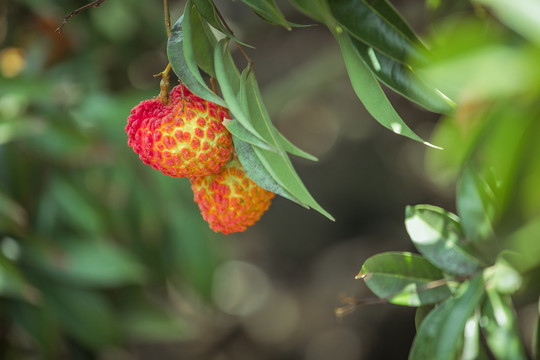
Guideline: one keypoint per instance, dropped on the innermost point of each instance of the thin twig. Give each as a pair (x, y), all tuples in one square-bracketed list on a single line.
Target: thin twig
[(167, 14), (164, 84), (222, 19), (165, 74), (75, 12)]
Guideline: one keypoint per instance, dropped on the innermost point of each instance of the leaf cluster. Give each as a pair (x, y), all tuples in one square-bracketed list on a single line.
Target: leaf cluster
[(378, 51), (471, 265)]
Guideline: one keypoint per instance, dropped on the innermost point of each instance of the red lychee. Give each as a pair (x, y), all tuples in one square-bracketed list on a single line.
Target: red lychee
[(182, 138), (230, 201)]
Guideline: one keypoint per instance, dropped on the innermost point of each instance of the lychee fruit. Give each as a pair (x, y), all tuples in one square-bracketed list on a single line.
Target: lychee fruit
[(184, 137), (230, 201)]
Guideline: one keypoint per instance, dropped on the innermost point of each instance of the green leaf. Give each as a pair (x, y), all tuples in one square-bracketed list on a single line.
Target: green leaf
[(12, 282), (520, 15), (472, 346), (403, 79), (227, 89), (421, 313), (76, 206), (235, 127), (40, 324), (268, 10), (239, 131), (204, 43), (257, 172), (182, 59), (525, 242), (278, 164), (379, 25), (86, 315), (404, 279), (370, 93), (96, 263), (444, 166), (293, 149), (500, 327), (475, 205), (437, 234), (315, 9), (12, 211), (468, 54), (440, 336)]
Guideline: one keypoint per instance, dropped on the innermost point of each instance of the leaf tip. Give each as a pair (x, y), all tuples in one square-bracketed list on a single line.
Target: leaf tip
[(361, 275), (432, 146)]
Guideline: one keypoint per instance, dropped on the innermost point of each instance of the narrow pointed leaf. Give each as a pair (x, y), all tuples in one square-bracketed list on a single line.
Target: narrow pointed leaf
[(402, 79), (389, 13), (184, 65), (240, 132), (228, 92), (40, 324), (13, 284), (404, 279), (440, 336), (277, 164), (235, 127), (437, 234), (500, 327), (232, 72), (421, 313), (93, 325), (373, 23), (370, 93), (257, 171), (275, 161), (204, 43), (293, 149), (471, 338), (268, 10), (315, 9), (520, 15), (475, 205)]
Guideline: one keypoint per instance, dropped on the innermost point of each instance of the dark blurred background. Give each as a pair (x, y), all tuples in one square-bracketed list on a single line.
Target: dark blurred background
[(104, 258)]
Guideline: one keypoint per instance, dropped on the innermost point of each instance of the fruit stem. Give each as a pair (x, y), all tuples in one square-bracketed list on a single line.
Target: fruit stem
[(75, 12), (167, 16), (164, 84)]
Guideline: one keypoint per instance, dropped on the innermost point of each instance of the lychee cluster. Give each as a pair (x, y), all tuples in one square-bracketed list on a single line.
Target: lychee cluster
[(185, 137)]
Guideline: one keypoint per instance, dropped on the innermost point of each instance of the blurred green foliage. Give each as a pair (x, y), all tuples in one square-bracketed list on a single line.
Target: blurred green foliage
[(92, 241), (489, 65), (90, 238)]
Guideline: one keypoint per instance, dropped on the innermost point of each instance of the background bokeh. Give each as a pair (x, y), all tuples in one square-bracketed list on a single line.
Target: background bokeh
[(102, 257)]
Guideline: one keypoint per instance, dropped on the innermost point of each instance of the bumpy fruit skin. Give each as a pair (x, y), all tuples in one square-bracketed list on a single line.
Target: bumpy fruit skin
[(230, 201), (183, 138)]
